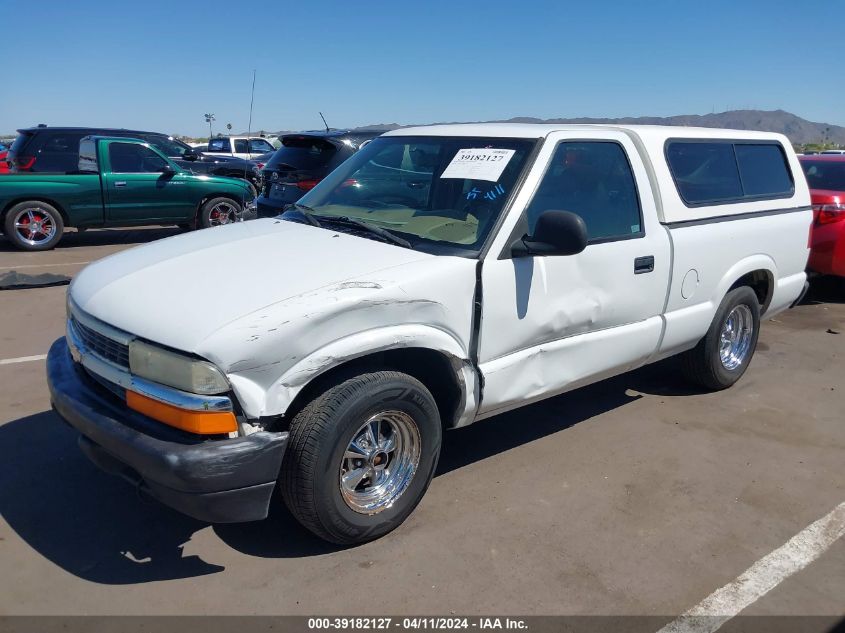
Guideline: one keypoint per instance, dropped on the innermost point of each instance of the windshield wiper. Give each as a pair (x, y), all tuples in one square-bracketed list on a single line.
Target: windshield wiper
[(370, 228), (308, 212)]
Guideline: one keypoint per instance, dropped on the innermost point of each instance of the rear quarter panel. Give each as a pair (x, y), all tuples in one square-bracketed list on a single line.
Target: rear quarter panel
[(78, 196), (710, 258)]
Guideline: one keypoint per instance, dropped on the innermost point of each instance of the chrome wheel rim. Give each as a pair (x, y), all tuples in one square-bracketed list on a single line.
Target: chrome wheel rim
[(222, 213), (380, 462), (735, 339), (34, 226)]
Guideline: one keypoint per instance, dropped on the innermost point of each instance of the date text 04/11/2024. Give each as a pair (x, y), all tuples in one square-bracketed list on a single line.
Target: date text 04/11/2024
[(416, 623)]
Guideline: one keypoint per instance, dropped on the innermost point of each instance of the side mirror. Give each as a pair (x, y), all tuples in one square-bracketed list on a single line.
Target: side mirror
[(556, 233), (190, 154), (167, 169)]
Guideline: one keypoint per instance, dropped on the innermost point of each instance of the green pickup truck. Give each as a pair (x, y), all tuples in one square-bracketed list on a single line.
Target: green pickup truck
[(119, 182)]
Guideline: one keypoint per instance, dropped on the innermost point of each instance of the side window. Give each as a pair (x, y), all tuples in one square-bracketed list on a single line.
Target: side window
[(704, 172), (259, 145), (713, 172), (241, 146), (131, 158), (219, 145), (594, 180), (58, 153), (763, 169)]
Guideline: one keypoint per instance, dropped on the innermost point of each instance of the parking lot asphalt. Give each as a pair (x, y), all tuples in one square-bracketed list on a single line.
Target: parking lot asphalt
[(637, 495)]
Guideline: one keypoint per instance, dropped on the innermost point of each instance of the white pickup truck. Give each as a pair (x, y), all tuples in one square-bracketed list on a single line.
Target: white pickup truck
[(246, 147), (440, 276)]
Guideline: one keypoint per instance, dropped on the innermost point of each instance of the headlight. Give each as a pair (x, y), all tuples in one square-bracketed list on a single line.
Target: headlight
[(175, 370)]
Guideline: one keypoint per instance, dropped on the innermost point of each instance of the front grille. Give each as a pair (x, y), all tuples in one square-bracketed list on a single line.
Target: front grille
[(103, 346), (111, 388)]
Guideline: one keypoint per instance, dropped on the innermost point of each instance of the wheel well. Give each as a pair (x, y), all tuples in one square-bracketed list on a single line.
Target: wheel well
[(431, 368), (762, 283), (52, 203)]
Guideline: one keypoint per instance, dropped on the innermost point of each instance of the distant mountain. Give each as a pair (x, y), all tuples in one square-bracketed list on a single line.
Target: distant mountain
[(798, 130)]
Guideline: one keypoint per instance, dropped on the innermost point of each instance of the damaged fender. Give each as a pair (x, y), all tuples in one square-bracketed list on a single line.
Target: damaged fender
[(279, 396)]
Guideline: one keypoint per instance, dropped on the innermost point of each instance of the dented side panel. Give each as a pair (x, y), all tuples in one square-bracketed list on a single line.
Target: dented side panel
[(560, 365)]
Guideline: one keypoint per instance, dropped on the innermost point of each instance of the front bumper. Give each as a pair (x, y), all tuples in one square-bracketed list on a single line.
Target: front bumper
[(215, 480), (267, 208)]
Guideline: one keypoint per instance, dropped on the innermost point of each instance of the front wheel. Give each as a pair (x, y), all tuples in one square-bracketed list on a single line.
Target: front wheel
[(219, 211), (361, 456), (34, 226), (725, 352)]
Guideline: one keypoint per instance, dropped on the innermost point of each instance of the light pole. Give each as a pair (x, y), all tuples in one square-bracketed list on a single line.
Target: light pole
[(208, 119)]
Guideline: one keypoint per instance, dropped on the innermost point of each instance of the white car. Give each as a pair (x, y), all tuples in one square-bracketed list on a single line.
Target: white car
[(239, 146), (439, 277)]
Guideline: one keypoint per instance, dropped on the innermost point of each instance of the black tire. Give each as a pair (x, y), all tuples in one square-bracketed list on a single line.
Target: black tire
[(48, 216), (703, 364), (211, 211), (320, 435), (250, 213)]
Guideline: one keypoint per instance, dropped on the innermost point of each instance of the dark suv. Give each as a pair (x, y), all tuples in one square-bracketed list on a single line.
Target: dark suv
[(302, 161), (48, 149)]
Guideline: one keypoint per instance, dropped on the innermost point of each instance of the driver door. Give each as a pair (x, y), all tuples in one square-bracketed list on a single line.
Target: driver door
[(551, 323), (136, 190)]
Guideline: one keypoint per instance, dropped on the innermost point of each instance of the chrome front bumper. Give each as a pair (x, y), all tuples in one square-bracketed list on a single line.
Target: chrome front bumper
[(117, 378)]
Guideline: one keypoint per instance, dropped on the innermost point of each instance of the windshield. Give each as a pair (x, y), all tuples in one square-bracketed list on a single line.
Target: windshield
[(167, 145), (825, 174), (443, 194)]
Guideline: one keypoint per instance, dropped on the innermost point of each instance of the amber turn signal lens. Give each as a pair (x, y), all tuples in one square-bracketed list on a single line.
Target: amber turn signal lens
[(200, 422)]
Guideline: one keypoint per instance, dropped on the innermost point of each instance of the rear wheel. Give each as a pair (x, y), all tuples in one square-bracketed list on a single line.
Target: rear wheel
[(725, 352), (361, 456), (219, 211), (34, 226)]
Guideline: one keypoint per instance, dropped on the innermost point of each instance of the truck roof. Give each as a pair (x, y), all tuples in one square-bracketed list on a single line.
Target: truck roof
[(100, 130), (540, 130)]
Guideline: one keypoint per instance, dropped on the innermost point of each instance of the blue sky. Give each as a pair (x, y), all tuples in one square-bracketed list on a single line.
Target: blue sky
[(161, 65)]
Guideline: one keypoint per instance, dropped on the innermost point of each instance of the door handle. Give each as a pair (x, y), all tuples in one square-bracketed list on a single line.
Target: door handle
[(120, 183), (644, 265)]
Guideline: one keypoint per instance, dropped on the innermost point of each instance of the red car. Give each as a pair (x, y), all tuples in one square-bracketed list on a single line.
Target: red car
[(4, 165), (826, 177)]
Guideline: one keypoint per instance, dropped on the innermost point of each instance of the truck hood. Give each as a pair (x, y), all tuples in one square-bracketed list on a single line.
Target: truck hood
[(181, 290)]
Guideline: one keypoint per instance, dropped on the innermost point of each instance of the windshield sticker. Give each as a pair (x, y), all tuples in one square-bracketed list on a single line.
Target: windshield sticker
[(479, 164)]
